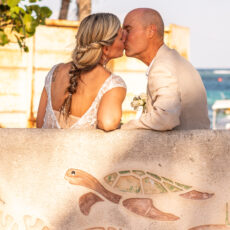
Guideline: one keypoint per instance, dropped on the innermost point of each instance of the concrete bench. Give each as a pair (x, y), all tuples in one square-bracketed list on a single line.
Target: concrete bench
[(121, 180)]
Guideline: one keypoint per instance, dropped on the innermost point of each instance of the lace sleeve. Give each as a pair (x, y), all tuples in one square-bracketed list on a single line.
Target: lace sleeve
[(47, 82), (116, 81)]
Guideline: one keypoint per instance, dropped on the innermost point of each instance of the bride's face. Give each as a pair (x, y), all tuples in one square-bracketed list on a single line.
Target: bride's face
[(117, 48)]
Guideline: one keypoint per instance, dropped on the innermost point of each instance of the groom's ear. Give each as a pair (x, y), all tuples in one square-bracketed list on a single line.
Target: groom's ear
[(151, 30)]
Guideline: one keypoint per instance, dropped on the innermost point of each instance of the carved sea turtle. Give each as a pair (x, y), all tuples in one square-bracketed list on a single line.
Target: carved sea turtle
[(136, 181)]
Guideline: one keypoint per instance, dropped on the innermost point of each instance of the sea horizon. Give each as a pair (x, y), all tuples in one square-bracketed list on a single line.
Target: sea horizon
[(217, 85)]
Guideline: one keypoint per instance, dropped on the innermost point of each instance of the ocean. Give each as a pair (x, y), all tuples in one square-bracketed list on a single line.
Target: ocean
[(217, 85)]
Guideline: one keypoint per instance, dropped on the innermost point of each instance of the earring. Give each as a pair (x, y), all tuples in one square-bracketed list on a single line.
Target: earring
[(104, 61)]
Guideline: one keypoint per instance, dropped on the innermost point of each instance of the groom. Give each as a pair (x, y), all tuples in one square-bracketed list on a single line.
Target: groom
[(176, 97)]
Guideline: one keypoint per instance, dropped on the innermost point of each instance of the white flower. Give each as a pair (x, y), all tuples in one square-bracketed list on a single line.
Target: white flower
[(143, 96), (135, 103), (139, 101)]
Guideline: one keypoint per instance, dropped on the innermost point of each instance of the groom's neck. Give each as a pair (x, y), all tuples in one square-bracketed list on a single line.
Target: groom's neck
[(148, 56)]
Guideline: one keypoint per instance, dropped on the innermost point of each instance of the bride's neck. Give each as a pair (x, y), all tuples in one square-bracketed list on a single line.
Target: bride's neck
[(97, 71)]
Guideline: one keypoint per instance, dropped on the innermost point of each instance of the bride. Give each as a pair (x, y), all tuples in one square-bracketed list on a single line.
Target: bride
[(83, 93)]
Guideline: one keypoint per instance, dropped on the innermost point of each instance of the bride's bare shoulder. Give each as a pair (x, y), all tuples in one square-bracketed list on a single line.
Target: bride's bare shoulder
[(61, 73), (64, 67)]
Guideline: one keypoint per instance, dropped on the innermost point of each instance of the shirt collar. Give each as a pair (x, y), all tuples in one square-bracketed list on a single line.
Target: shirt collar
[(147, 72)]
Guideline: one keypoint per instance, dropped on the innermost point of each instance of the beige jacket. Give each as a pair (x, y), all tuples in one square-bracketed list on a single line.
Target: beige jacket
[(176, 97)]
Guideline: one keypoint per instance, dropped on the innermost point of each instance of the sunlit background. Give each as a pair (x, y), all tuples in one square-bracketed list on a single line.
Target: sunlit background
[(197, 29)]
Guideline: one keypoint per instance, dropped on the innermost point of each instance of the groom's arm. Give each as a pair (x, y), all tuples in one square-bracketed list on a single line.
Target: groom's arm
[(164, 114)]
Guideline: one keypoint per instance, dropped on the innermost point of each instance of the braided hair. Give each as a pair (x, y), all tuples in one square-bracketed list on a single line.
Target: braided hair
[(95, 31)]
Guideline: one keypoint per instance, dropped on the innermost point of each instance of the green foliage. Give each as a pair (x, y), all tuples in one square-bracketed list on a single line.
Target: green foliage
[(3, 38), (21, 20)]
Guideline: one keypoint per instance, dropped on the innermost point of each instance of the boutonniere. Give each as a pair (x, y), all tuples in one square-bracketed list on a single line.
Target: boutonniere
[(139, 102)]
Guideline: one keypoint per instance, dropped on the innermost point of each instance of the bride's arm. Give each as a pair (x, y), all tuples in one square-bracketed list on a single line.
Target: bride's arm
[(110, 109), (41, 109)]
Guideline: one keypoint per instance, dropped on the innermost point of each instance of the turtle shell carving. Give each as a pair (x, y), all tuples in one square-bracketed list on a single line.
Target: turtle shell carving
[(148, 183)]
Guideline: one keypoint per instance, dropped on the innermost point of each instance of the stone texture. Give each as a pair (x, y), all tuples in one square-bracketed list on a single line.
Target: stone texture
[(34, 193)]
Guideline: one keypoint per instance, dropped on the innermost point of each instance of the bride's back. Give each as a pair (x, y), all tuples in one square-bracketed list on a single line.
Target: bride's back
[(88, 87), (81, 94)]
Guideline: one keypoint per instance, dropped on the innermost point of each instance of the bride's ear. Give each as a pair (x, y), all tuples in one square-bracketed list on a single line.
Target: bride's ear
[(104, 57), (105, 50)]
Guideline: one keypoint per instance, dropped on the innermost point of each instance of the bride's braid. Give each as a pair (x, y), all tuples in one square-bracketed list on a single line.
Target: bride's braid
[(74, 75), (95, 31)]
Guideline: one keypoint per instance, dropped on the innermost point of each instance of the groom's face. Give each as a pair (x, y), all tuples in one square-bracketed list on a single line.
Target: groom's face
[(136, 42)]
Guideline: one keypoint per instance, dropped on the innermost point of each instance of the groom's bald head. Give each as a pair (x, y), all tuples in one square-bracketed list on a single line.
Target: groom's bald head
[(146, 17), (144, 30)]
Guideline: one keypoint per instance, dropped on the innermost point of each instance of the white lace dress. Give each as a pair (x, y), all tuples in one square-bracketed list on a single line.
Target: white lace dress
[(89, 119)]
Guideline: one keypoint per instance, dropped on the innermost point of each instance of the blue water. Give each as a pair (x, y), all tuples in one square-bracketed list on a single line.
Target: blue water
[(217, 84)]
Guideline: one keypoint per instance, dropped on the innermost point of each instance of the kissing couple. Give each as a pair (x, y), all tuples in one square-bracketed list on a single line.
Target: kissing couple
[(83, 94)]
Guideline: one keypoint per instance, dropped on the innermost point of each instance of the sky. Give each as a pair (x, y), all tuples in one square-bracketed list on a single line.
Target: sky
[(208, 21)]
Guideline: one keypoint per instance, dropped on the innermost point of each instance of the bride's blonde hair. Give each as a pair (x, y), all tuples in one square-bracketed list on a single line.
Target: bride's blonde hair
[(95, 31)]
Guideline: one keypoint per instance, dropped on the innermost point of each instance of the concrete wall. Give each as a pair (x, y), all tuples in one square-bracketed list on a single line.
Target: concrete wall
[(70, 180)]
